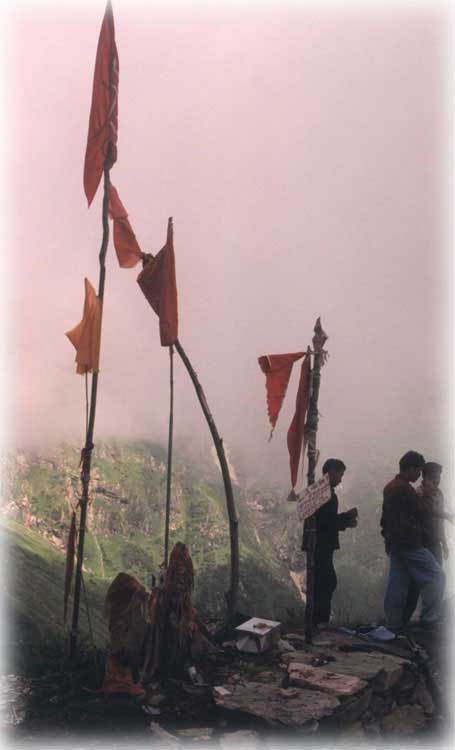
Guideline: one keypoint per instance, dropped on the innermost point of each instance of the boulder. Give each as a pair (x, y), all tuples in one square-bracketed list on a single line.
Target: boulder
[(317, 678), (404, 721), (267, 702)]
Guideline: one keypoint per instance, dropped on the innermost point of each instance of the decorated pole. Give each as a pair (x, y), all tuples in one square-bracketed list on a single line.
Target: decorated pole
[(169, 456), (311, 428), (100, 155), (232, 594)]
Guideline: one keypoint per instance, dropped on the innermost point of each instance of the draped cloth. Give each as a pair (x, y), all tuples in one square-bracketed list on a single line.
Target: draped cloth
[(277, 369), (103, 121), (158, 283), (86, 336), (295, 435), (126, 245)]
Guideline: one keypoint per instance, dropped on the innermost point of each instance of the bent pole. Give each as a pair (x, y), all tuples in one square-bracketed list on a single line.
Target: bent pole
[(232, 594), (86, 456)]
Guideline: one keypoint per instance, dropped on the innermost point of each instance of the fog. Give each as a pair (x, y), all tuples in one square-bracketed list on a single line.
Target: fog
[(303, 155)]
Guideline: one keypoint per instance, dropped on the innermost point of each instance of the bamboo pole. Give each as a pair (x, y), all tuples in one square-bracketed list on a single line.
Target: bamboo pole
[(169, 456), (232, 594), (86, 457), (311, 428)]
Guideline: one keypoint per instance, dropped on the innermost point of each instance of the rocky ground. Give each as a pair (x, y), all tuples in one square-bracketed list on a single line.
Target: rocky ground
[(343, 687)]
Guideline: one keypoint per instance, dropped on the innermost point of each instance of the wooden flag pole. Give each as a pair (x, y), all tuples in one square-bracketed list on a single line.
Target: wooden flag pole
[(86, 457), (311, 428), (169, 456), (232, 594)]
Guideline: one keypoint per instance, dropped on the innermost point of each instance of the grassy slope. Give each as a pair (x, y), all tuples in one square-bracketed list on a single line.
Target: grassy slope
[(125, 532), (33, 584)]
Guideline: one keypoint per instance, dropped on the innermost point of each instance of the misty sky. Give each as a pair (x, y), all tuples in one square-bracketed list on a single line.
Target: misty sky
[(302, 154)]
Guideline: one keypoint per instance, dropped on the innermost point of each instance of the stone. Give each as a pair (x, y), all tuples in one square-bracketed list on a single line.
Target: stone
[(382, 670), (404, 720), (423, 697), (322, 679), (243, 738), (284, 647), (220, 691), (196, 733), (264, 701), (352, 709)]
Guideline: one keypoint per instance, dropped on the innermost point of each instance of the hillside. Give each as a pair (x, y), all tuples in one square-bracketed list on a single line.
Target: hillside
[(126, 530)]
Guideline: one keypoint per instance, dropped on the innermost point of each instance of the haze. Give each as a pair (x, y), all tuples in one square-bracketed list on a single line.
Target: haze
[(302, 155)]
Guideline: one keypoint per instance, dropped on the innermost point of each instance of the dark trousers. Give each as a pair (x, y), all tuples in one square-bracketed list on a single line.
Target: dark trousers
[(325, 583)]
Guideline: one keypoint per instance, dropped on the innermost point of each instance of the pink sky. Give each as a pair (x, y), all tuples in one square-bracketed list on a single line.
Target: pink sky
[(302, 155)]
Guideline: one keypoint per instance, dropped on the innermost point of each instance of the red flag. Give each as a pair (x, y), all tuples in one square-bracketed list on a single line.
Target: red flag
[(296, 429), (158, 283), (126, 245), (102, 129), (277, 368), (86, 336)]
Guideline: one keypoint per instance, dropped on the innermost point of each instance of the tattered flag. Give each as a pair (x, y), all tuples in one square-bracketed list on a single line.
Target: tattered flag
[(277, 369), (126, 245), (158, 283), (103, 122), (86, 336), (295, 435)]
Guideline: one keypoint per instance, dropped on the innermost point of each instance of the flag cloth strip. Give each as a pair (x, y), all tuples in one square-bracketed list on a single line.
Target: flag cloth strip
[(126, 245)]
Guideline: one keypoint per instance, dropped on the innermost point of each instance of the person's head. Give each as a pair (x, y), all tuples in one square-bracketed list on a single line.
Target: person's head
[(335, 468), (411, 465), (431, 473)]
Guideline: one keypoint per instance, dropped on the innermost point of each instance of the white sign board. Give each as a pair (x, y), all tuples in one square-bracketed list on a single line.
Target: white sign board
[(313, 497)]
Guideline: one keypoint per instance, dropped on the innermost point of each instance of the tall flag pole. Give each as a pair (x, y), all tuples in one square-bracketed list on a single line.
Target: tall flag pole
[(311, 429), (101, 154)]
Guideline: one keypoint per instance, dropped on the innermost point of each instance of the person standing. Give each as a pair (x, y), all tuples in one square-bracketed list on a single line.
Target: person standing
[(328, 523), (403, 521), (433, 500)]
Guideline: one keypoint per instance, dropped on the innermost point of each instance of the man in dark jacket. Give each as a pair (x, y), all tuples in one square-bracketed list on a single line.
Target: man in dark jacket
[(403, 526), (328, 523)]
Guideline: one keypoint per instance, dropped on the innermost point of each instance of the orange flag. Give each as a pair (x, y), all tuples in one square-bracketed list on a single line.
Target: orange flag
[(296, 429), (158, 283), (277, 368), (126, 245), (102, 129), (86, 336)]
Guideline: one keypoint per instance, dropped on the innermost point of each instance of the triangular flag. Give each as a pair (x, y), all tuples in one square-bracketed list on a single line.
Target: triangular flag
[(103, 122), (86, 336), (158, 283), (277, 368)]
